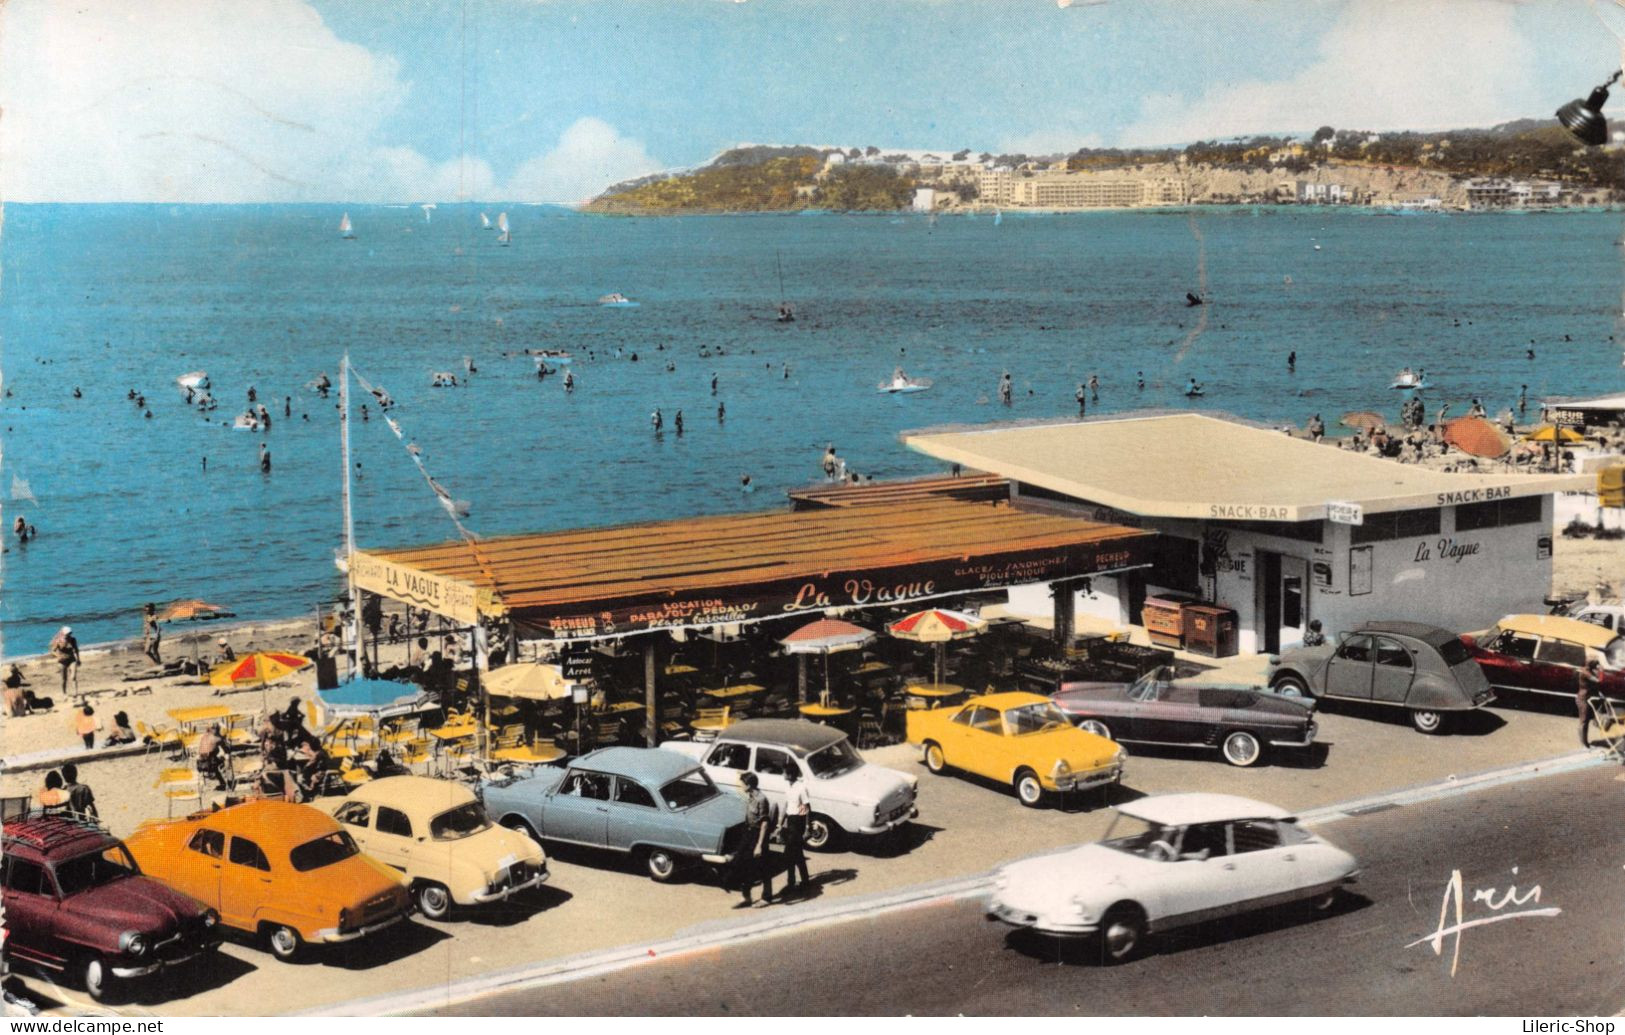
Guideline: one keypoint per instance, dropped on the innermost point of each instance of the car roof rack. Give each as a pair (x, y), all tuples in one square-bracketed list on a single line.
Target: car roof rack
[(44, 830)]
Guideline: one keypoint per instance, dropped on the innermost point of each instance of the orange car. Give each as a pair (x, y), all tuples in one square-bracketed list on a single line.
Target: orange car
[(287, 873)]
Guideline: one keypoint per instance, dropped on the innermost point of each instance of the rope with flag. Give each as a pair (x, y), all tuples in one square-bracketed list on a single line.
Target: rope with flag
[(455, 509)]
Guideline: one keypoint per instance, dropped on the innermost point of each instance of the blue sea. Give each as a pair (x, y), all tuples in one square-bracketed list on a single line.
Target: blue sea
[(109, 298)]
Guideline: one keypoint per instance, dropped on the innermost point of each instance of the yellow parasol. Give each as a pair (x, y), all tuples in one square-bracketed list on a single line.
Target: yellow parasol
[(1553, 433)]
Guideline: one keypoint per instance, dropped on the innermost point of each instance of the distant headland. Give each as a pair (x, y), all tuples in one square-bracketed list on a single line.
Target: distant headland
[(1524, 164)]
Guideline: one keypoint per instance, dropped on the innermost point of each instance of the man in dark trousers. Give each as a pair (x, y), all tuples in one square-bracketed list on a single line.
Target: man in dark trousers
[(1588, 684), (750, 865), (797, 809)]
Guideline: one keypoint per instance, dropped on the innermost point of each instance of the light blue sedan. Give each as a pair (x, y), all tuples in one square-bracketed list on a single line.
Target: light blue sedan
[(659, 806)]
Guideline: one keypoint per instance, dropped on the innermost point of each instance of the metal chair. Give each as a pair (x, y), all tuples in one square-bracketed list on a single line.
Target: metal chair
[(708, 722), (180, 783)]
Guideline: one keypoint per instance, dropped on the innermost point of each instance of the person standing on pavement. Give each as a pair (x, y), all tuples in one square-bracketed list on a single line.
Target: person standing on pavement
[(750, 865), (797, 810), (1588, 684)]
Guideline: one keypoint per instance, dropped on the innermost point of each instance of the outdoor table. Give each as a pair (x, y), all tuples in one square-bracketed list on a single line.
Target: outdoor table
[(825, 711), (708, 725), (935, 693), (681, 670), (871, 667), (738, 690), (620, 707), (202, 713), (461, 731), (356, 775), (530, 755)]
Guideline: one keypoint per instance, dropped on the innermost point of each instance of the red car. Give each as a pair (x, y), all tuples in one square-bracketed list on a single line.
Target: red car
[(77, 904), (1543, 654)]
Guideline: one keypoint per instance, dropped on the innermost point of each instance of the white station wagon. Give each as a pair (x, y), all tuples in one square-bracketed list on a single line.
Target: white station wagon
[(848, 795), (1169, 861)]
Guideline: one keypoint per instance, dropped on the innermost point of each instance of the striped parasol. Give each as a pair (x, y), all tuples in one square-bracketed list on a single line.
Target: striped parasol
[(192, 611), (936, 626), (826, 636), (261, 669)]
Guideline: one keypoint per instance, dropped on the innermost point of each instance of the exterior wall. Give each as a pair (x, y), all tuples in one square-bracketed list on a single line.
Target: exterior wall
[(1460, 580)]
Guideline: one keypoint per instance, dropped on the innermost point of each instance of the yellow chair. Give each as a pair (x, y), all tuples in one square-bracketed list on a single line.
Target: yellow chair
[(353, 774), (180, 783), (410, 753), (708, 722), (159, 737)]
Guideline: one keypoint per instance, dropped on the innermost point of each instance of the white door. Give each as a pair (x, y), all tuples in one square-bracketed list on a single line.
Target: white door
[(1259, 869), (1294, 599), (1195, 886)]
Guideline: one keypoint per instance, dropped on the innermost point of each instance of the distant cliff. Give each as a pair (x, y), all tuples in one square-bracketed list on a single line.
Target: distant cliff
[(762, 179)]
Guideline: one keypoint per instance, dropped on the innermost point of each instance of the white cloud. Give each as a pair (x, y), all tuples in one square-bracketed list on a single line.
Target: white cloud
[(1049, 142), (1381, 66), (590, 156), (235, 101)]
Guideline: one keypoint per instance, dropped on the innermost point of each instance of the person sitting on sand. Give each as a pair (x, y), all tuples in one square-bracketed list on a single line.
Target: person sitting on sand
[(121, 732), (212, 760)]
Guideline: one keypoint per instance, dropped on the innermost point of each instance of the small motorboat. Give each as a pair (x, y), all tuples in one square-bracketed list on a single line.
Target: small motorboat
[(196, 379), (616, 300), (544, 355), (246, 422), (1409, 379), (901, 384)]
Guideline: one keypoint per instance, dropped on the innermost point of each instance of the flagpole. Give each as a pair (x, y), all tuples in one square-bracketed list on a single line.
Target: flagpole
[(353, 631)]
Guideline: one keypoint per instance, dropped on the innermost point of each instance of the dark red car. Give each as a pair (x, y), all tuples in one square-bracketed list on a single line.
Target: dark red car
[(76, 904), (1543, 654)]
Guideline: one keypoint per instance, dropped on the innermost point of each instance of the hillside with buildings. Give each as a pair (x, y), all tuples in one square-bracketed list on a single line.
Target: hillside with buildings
[(1519, 165)]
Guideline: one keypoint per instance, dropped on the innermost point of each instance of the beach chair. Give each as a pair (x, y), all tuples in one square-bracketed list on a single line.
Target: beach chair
[(708, 722), (159, 737), (1609, 726), (179, 783)]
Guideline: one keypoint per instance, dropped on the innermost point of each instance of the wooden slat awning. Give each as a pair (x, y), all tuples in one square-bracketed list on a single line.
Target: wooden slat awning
[(746, 567), (978, 487)]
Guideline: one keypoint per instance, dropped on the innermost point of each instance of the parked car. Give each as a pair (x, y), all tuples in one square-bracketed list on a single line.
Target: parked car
[(1016, 738), (1543, 654), (656, 805), (1421, 668), (1609, 616), (848, 796), (284, 872), (1168, 861), (436, 832), (1157, 709), (76, 903)]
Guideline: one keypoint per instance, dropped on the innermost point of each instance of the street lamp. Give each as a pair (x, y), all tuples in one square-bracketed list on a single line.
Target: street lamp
[(1584, 118)]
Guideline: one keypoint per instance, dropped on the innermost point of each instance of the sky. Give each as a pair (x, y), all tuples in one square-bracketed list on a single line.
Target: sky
[(553, 100)]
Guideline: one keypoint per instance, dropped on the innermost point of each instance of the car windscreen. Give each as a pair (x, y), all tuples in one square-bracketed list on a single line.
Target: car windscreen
[(460, 822), (324, 851), (828, 763), (1034, 718), (1453, 651), (1135, 836), (94, 869), (691, 788)]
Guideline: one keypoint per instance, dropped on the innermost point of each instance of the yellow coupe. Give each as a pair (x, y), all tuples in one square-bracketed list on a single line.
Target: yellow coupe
[(1018, 738)]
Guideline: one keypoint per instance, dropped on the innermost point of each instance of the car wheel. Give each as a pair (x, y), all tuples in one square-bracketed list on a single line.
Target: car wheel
[(934, 759), (822, 834), (661, 864), (1028, 789), (518, 824), (96, 976), (433, 900), (283, 941), (1324, 902), (1291, 686), (1095, 726), (1426, 720), (1122, 933), (1242, 748)]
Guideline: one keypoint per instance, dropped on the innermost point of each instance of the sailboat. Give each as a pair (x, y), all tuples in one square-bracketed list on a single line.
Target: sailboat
[(346, 230), (503, 236), (786, 314), (485, 221), (998, 217)]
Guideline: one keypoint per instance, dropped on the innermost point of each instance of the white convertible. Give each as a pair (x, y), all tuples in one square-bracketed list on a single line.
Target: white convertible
[(847, 795), (1169, 861)]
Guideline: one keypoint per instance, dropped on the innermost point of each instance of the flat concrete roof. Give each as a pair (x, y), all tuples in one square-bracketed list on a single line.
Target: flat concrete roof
[(1196, 466)]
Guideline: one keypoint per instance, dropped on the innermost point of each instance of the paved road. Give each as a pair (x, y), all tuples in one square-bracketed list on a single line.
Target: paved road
[(1563, 833)]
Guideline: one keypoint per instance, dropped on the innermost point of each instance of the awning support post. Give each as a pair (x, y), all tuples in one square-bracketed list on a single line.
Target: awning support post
[(801, 678), (1063, 614), (651, 699)]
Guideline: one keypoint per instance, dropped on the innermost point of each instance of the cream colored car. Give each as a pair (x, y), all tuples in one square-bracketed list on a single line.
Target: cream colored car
[(436, 832)]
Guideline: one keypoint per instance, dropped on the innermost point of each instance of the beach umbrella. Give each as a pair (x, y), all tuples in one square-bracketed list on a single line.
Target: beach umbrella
[(1553, 433), (1363, 420), (937, 626), (193, 611), (826, 636), (1477, 437), (529, 680), (382, 698), (261, 669)]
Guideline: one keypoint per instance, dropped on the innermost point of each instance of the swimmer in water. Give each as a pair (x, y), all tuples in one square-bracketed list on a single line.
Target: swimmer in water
[(677, 422), (713, 384), (1082, 396), (1192, 388), (1292, 362), (722, 412), (569, 382), (656, 421), (1139, 379), (1094, 388), (745, 485)]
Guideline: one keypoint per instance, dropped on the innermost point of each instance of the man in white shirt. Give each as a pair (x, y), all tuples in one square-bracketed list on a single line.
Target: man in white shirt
[(797, 808)]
